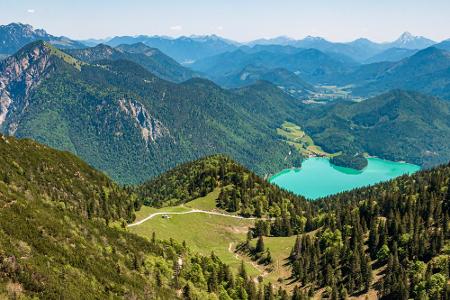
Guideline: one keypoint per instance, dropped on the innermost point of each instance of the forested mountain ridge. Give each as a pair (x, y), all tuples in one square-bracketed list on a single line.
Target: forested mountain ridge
[(282, 78), (426, 71), (198, 178), (151, 59), (55, 242), (310, 64), (116, 115)]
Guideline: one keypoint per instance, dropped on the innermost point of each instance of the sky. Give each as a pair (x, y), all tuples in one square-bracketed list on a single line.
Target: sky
[(241, 20)]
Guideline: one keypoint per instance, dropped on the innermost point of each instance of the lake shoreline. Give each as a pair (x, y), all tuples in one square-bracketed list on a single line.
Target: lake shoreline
[(318, 177)]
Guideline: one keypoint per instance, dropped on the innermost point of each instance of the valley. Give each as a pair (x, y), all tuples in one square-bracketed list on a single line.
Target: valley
[(172, 165)]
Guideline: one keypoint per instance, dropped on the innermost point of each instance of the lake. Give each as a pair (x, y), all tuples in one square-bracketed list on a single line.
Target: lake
[(319, 178)]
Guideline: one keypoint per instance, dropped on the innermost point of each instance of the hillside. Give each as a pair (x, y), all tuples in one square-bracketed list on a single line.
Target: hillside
[(391, 54), (198, 178), (55, 242), (151, 59), (310, 64), (284, 79), (426, 72), (129, 123), (390, 240), (16, 35), (397, 125)]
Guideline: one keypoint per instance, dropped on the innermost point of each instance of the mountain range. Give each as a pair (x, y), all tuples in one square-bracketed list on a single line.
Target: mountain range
[(151, 59), (16, 35), (115, 114), (183, 48), (126, 121), (188, 49)]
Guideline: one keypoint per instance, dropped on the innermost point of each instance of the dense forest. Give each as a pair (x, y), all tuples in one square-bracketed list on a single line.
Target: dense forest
[(399, 227), (393, 238)]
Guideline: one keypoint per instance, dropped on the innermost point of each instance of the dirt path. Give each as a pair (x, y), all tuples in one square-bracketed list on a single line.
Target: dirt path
[(193, 211)]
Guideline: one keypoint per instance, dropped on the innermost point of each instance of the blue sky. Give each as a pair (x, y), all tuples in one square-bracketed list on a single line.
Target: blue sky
[(243, 20)]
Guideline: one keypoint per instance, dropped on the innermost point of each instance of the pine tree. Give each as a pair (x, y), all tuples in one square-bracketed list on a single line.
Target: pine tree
[(268, 257), (243, 271), (373, 239), (259, 245)]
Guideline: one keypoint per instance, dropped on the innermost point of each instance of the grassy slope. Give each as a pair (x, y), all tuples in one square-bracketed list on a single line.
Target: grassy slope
[(295, 136), (206, 233), (203, 233)]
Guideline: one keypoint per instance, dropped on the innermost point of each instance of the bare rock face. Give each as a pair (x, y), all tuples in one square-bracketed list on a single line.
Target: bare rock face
[(151, 129), (19, 74)]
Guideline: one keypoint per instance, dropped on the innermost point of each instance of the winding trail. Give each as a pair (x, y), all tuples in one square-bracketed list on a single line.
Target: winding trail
[(193, 211)]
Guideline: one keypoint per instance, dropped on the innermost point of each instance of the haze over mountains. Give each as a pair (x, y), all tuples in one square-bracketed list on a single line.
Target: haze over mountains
[(186, 49)]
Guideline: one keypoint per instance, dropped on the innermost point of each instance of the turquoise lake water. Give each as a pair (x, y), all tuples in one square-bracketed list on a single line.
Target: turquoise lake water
[(319, 178)]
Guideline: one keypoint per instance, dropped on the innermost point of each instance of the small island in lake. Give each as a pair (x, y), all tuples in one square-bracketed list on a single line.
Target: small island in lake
[(353, 161)]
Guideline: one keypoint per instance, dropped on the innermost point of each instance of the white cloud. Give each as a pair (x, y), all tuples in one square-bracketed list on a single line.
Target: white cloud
[(31, 11), (176, 28)]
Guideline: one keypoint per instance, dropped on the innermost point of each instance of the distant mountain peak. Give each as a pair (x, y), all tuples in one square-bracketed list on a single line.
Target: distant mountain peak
[(410, 41), (313, 38), (16, 35), (407, 37)]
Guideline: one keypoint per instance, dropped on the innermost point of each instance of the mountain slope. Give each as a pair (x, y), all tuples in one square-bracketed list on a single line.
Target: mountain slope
[(51, 249), (16, 35), (150, 58), (391, 54), (127, 122), (311, 64), (390, 241), (426, 71), (284, 79)]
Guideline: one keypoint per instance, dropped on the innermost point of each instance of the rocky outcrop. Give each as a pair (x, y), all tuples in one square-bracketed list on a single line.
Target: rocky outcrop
[(19, 74), (151, 129)]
